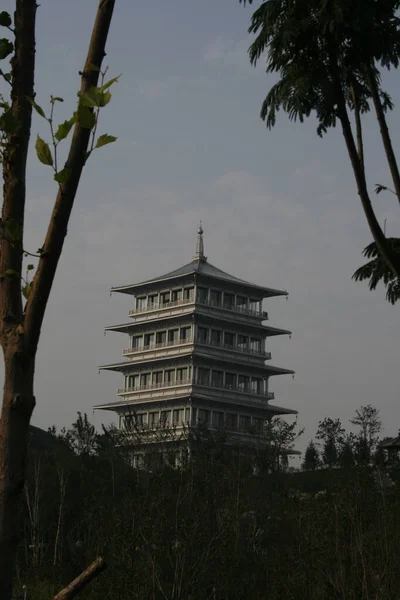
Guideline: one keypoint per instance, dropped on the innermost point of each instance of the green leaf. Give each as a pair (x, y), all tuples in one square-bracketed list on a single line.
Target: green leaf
[(91, 67), (62, 176), (26, 290), (92, 98), (11, 273), (8, 123), (110, 82), (64, 129), (38, 108), (105, 99), (56, 99), (105, 139), (6, 47), (5, 19), (30, 267), (85, 117), (43, 152)]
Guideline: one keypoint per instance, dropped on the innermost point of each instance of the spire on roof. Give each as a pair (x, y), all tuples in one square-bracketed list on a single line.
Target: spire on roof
[(200, 245)]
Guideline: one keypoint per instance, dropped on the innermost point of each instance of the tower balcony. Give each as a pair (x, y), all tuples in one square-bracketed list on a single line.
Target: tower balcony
[(196, 340), (181, 383), (156, 306), (158, 346)]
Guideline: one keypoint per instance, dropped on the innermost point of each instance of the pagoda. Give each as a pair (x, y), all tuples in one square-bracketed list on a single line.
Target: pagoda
[(197, 354)]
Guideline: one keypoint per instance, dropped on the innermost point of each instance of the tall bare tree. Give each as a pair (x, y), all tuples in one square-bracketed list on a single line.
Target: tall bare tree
[(20, 320)]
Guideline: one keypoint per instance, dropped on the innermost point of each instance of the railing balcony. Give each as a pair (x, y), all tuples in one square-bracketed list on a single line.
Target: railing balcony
[(238, 309), (159, 345), (189, 340), (163, 305), (236, 348), (197, 381), (155, 386)]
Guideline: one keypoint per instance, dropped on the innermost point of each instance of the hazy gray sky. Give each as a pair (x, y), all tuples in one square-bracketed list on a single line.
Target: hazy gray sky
[(278, 208)]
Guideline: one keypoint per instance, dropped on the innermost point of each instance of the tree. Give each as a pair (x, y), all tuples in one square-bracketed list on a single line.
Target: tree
[(346, 455), (281, 437), (368, 420), (311, 458), (327, 55), (21, 314), (331, 433)]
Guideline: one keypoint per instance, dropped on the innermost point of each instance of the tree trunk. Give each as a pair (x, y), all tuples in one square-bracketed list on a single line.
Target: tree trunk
[(391, 258), (18, 404), (387, 142), (20, 328)]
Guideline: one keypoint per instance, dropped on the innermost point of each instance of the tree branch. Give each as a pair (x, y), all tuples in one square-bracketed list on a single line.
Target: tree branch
[(357, 114), (82, 580), (57, 230), (14, 164), (387, 142)]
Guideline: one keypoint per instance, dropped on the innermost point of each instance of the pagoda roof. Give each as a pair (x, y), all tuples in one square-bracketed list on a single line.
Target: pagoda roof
[(201, 267)]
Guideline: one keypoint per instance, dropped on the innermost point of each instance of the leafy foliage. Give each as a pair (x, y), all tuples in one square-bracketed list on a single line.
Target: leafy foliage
[(377, 271), (211, 530)]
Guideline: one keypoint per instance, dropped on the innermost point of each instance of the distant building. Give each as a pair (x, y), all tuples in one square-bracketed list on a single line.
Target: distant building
[(197, 354)]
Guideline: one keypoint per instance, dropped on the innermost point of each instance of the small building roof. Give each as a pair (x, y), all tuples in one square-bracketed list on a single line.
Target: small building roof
[(391, 443), (200, 265)]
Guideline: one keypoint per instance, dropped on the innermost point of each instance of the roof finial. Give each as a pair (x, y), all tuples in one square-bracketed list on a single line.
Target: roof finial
[(200, 245)]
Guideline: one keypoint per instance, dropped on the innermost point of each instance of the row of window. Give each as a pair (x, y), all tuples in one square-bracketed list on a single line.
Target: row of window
[(164, 298), (228, 339), (210, 418), (203, 376), (162, 337), (204, 335), (167, 376), (203, 295), (227, 299)]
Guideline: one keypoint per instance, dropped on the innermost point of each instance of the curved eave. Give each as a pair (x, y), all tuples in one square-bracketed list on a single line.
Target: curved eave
[(277, 410), (205, 270), (130, 365), (127, 327)]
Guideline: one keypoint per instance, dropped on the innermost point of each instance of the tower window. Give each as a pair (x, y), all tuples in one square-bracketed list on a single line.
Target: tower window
[(188, 293), (229, 339), (218, 419), (229, 300), (243, 382), (202, 335), (176, 295), (231, 421), (244, 423), (202, 295), (217, 378), (178, 416), (230, 380), (185, 333), (216, 337), (215, 298)]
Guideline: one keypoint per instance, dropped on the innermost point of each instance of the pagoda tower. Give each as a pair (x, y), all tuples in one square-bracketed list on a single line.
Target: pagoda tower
[(197, 354)]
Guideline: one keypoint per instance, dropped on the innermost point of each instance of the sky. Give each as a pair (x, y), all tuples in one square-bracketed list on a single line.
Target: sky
[(279, 208)]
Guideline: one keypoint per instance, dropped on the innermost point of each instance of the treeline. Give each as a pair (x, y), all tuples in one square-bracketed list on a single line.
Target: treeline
[(211, 531), (336, 447)]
